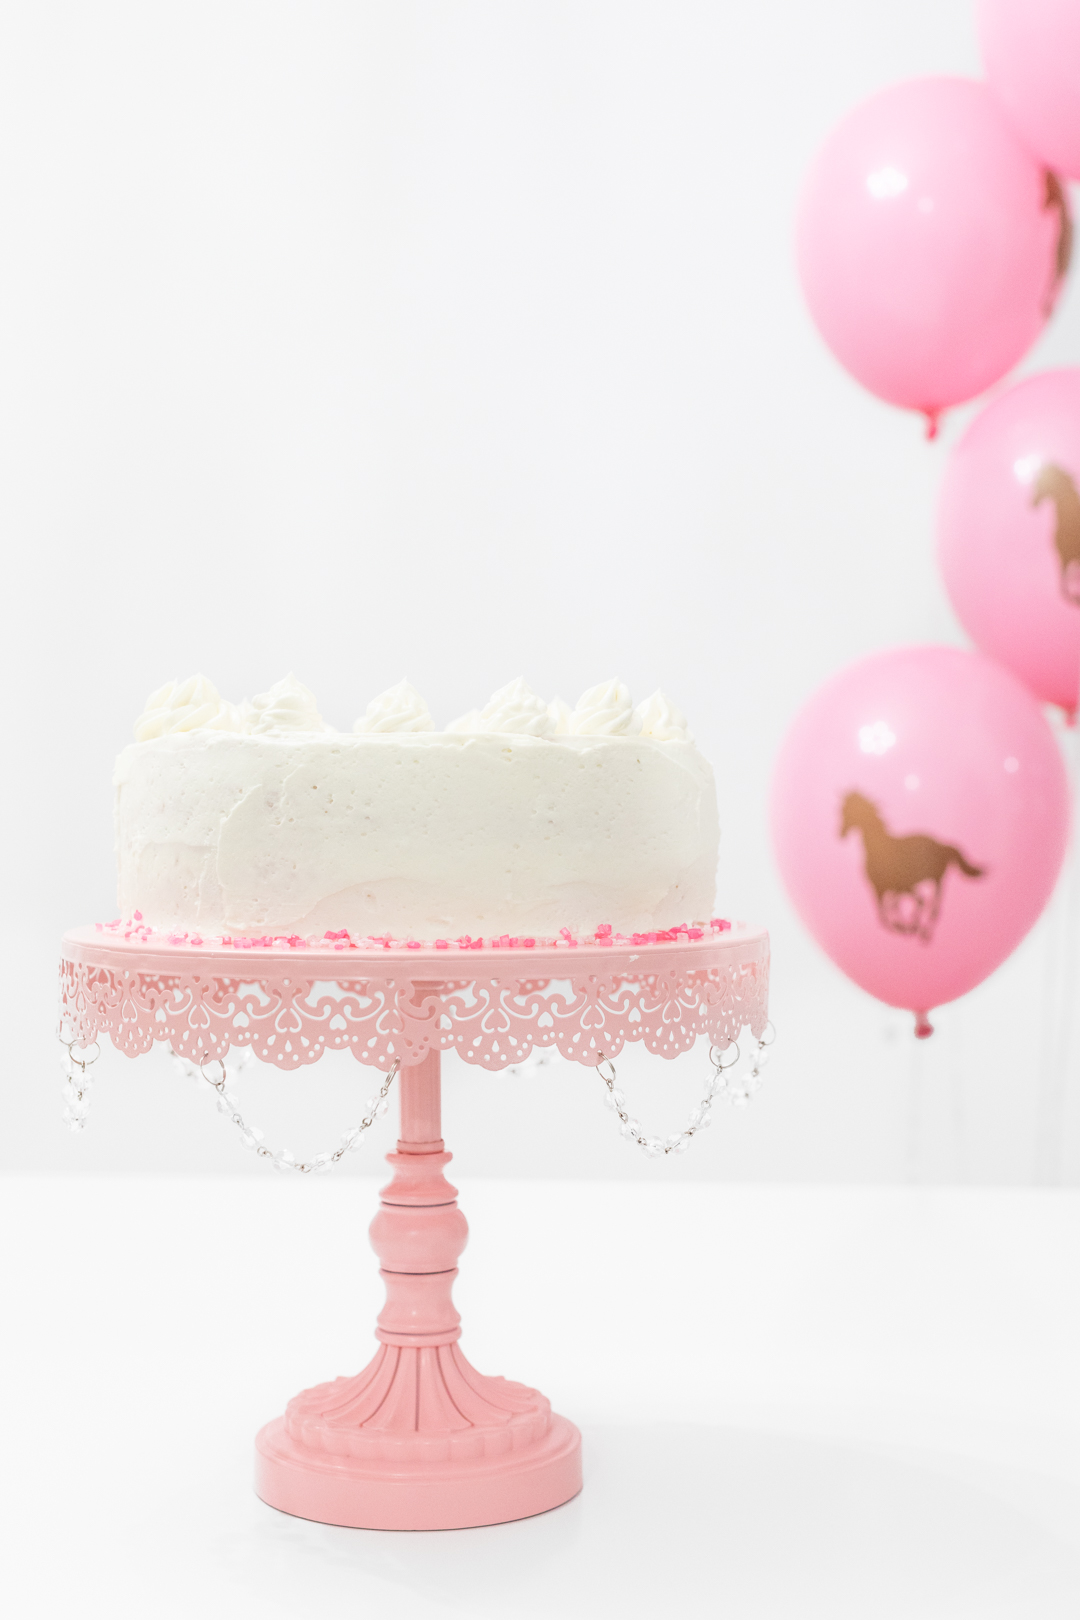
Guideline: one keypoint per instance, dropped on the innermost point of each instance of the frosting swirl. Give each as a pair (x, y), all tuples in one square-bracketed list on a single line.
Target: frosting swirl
[(190, 705), (560, 713), (466, 722), (515, 708), (399, 708), (661, 719), (288, 706), (606, 710)]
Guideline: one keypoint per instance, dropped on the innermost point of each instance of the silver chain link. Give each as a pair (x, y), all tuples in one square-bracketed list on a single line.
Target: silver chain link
[(252, 1137), (77, 1081), (721, 1083)]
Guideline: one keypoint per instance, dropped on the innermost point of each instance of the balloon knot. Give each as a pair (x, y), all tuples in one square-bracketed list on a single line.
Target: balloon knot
[(923, 1026), (932, 418)]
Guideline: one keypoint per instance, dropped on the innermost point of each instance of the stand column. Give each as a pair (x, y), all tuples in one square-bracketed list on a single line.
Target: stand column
[(419, 1232), (419, 1440)]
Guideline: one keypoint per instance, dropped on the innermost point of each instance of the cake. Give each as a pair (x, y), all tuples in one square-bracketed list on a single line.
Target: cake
[(522, 818)]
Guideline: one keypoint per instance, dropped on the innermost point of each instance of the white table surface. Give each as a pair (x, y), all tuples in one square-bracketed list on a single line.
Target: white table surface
[(797, 1402)]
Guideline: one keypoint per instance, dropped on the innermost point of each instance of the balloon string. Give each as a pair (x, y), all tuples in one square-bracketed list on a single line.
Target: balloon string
[(959, 1111), (1062, 971), (913, 1166)]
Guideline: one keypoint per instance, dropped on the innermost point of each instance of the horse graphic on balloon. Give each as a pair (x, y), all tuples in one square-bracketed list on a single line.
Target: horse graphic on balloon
[(906, 873), (1054, 484)]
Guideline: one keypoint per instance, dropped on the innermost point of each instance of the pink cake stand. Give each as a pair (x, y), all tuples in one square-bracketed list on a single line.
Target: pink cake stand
[(419, 1440)]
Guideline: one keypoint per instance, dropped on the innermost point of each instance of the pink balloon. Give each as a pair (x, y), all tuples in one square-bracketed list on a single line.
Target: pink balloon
[(1009, 533), (1031, 51), (930, 243), (920, 813)]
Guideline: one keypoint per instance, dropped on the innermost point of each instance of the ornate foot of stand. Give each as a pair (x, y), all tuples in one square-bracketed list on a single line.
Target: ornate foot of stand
[(419, 1440)]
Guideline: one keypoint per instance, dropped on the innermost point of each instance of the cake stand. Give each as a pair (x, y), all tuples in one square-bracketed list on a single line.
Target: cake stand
[(419, 1439)]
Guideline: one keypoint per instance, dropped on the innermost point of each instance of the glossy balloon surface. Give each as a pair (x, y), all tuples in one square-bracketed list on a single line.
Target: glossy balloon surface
[(1009, 532), (920, 812), (930, 242), (1031, 50)]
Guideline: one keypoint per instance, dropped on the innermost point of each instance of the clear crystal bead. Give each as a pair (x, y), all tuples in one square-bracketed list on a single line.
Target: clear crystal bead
[(761, 1057), (321, 1162), (383, 1105), (617, 1097)]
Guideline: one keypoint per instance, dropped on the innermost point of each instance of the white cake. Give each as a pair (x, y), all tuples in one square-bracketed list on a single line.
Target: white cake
[(521, 819)]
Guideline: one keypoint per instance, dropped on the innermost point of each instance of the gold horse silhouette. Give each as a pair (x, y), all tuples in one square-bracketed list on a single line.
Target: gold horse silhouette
[(1055, 197), (1055, 484), (906, 873)]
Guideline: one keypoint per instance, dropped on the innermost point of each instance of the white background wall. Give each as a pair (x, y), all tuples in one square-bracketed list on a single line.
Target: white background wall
[(462, 340)]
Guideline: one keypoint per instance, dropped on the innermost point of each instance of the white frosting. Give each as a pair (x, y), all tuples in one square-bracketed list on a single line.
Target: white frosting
[(399, 708), (515, 710), (466, 723), (288, 706), (606, 710), (425, 835), (190, 705), (658, 717), (560, 713)]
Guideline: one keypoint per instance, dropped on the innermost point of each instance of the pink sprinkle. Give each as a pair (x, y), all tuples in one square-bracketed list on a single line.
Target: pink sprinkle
[(412, 944), (226, 939), (338, 946), (137, 916), (665, 934), (695, 933), (720, 923), (565, 932), (603, 930), (441, 945), (196, 939), (528, 943)]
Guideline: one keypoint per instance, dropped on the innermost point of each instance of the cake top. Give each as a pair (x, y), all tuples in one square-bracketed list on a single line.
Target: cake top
[(606, 710)]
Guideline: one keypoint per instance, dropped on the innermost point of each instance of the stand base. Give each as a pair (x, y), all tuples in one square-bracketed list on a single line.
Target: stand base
[(458, 1496)]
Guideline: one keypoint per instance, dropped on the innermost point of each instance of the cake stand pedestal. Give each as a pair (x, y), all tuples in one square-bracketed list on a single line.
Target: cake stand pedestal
[(419, 1440)]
